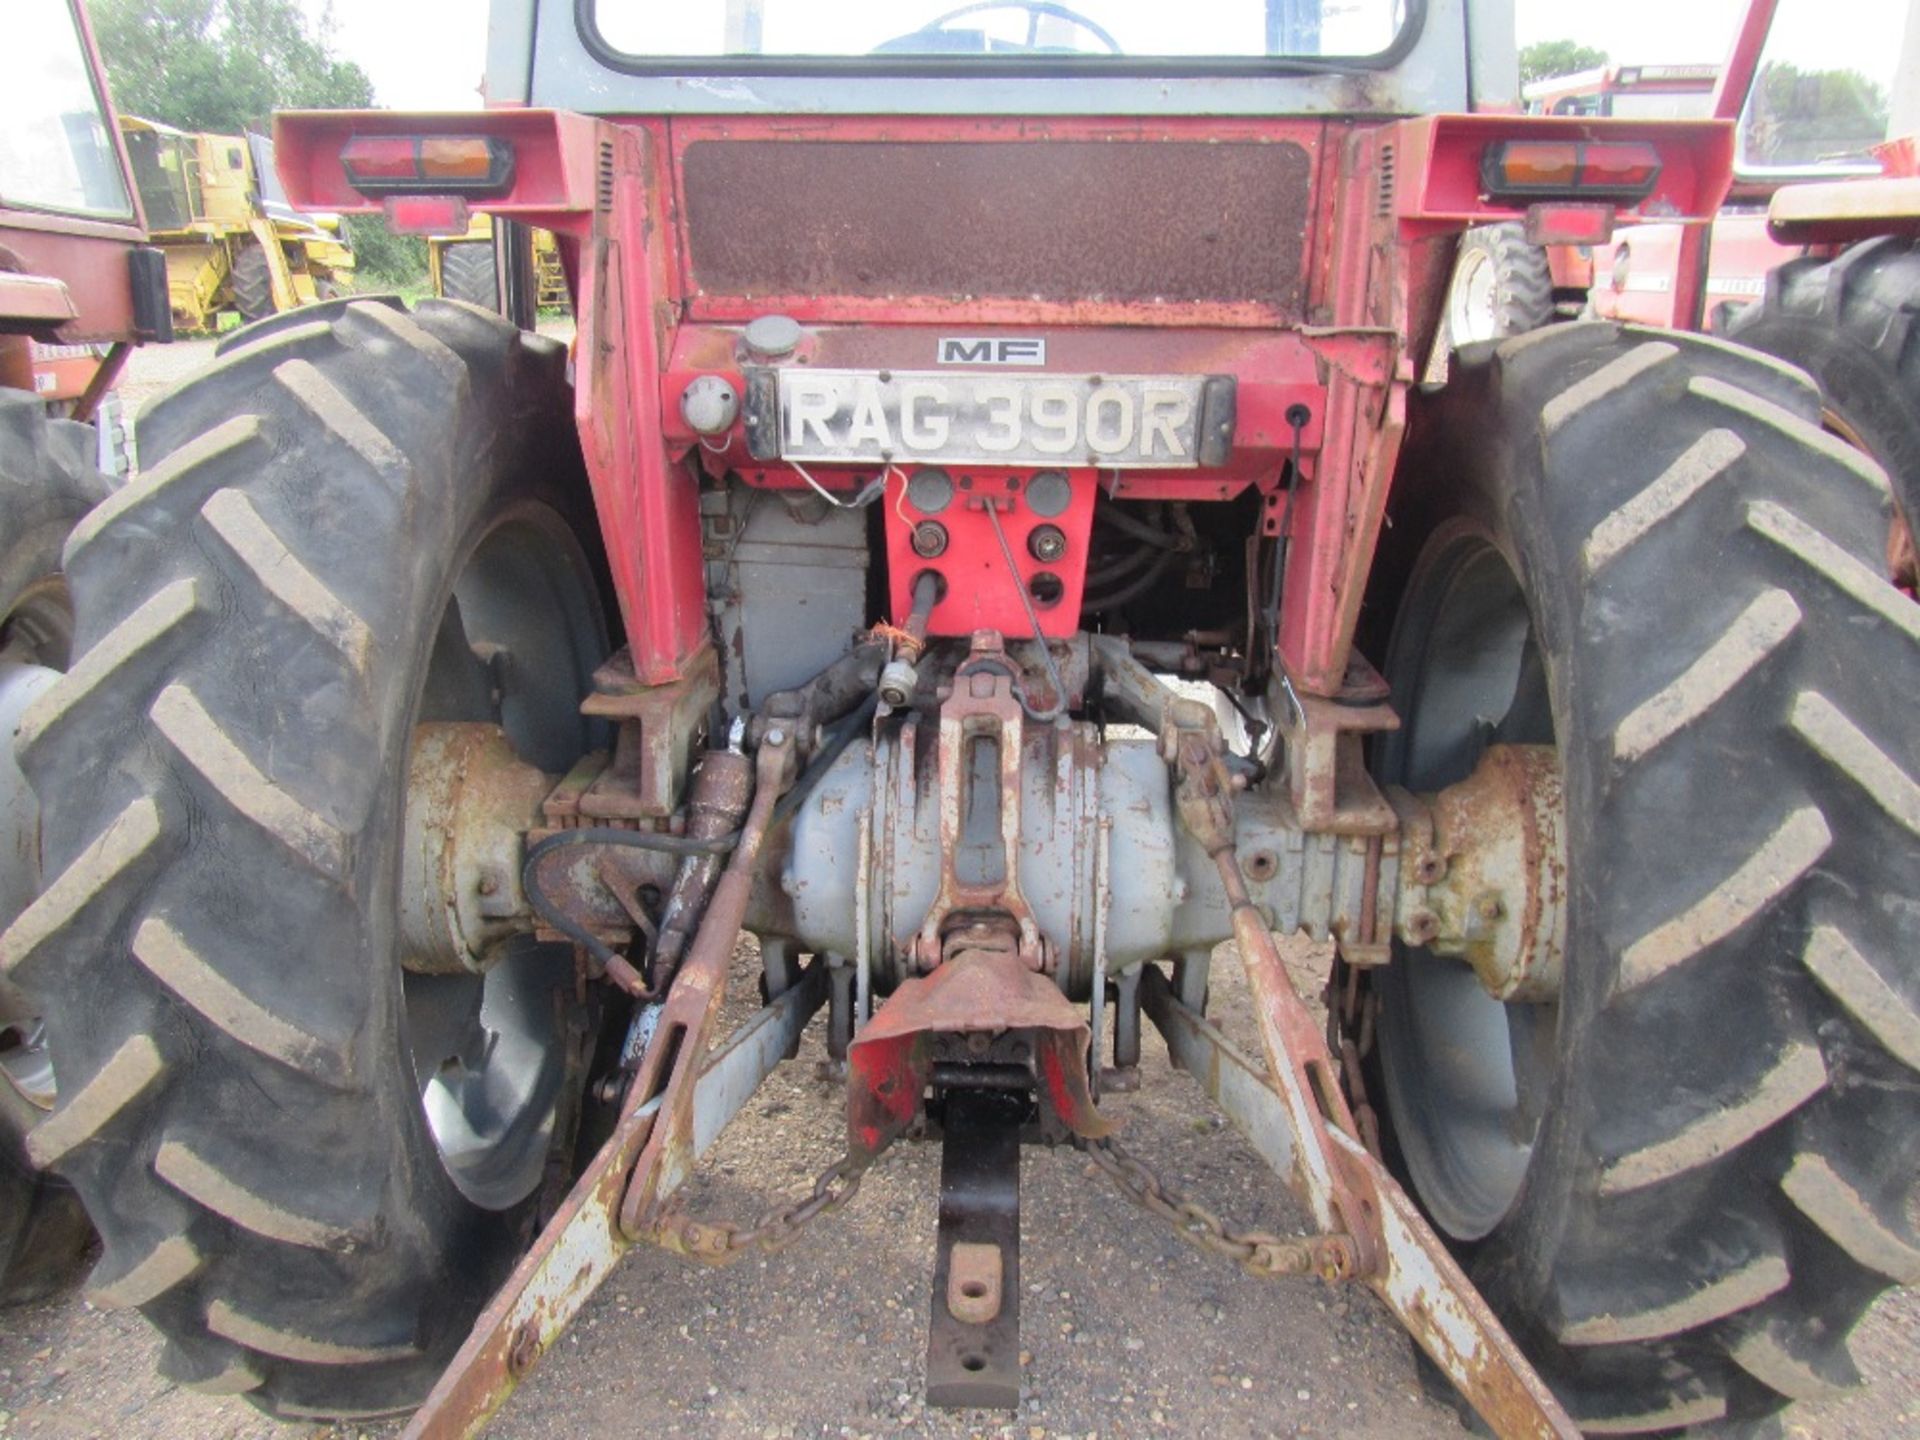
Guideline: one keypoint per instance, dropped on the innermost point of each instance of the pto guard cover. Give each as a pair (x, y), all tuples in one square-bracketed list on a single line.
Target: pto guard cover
[(975, 992)]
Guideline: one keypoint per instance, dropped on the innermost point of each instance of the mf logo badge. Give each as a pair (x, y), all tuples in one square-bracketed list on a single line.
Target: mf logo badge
[(989, 350)]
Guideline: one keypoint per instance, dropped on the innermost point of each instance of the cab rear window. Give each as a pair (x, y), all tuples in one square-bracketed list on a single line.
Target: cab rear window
[(1031, 30)]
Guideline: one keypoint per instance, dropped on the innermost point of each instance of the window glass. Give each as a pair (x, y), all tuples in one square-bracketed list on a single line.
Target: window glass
[(1823, 95), (56, 152), (1661, 104), (1150, 29)]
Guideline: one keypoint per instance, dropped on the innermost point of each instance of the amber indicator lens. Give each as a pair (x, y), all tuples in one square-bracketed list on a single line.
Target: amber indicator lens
[(428, 164), (1534, 166)]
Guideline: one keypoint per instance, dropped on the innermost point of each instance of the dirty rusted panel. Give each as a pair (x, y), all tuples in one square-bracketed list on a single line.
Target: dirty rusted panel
[(1155, 221), (979, 994)]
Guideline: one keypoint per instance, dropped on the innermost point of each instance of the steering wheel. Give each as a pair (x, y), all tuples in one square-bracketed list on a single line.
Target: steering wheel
[(937, 39)]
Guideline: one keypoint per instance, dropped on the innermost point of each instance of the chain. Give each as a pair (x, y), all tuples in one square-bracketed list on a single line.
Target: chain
[(1352, 1007), (1255, 1251), (722, 1242)]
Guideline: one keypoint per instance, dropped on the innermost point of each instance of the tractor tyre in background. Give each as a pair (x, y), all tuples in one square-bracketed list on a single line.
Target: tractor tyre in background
[(1681, 1182), (47, 482), (466, 273), (252, 284), (1501, 286), (309, 1164), (1850, 323)]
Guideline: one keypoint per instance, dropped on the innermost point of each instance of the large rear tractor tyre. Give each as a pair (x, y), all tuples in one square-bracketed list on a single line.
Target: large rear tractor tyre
[(466, 273), (310, 1163), (1502, 286), (1849, 322), (1683, 1181), (252, 284), (47, 482)]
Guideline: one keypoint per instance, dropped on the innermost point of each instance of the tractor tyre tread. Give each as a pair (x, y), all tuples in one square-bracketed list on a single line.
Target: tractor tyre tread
[(467, 273), (1849, 323), (217, 774), (252, 284), (48, 481), (1718, 1191), (1522, 277)]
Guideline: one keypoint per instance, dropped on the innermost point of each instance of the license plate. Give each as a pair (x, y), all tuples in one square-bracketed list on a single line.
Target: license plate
[(876, 417)]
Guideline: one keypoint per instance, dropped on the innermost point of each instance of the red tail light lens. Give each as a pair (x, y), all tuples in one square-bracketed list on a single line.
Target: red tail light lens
[(379, 165), (1619, 167), (1571, 169), (373, 158)]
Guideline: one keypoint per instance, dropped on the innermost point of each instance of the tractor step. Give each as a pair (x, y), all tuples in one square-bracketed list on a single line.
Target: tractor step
[(973, 1342)]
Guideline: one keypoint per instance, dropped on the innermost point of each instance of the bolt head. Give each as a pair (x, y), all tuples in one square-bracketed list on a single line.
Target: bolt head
[(1047, 544), (929, 539)]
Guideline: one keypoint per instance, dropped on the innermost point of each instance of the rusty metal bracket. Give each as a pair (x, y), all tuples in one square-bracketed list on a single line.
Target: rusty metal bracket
[(1365, 354), (981, 722), (1410, 1268), (1327, 778), (655, 746), (650, 1153), (981, 995)]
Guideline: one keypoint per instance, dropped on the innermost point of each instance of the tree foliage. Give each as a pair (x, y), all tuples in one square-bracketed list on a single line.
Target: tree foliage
[(1550, 59), (383, 259), (1807, 117), (221, 65), (226, 66)]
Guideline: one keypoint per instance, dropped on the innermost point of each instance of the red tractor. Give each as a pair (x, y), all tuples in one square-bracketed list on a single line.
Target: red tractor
[(1504, 283), (78, 288), (948, 382)]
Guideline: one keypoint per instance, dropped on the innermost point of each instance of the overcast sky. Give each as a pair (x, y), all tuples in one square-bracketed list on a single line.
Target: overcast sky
[(430, 56), (419, 56)]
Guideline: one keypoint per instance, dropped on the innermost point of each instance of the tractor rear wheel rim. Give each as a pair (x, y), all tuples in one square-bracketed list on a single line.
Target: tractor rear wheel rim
[(1473, 302), (490, 1050), (1464, 1072), (38, 629)]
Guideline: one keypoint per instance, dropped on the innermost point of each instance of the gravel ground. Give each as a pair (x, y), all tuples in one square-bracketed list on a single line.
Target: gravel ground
[(1127, 1331)]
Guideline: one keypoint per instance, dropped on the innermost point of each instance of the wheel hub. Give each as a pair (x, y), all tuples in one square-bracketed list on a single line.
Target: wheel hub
[(1483, 874), (470, 799)]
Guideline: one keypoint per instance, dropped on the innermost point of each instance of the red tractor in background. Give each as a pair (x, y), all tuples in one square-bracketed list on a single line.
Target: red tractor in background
[(947, 383), (1506, 284), (78, 288)]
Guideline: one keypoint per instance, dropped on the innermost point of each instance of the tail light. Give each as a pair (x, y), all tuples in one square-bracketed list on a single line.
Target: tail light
[(1524, 170), (381, 165)]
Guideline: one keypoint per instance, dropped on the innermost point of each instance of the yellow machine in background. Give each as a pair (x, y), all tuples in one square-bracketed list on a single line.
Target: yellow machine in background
[(234, 246), (460, 267)]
